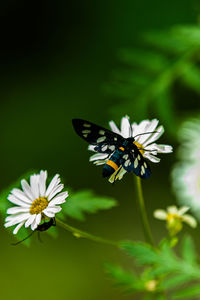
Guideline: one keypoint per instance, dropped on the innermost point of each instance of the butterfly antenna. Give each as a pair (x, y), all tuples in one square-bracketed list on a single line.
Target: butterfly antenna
[(15, 244), (145, 133)]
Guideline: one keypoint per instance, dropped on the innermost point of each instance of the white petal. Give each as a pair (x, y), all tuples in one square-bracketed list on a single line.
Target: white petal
[(150, 126), (20, 195), (183, 210), (54, 182), (27, 189), (17, 209), (15, 231), (151, 157), (16, 219), (30, 220), (34, 225), (59, 199), (114, 127), (48, 213), (42, 183), (125, 127), (54, 210), (38, 219), (16, 201), (160, 148), (172, 210), (154, 136), (57, 189), (160, 214), (34, 181), (190, 220)]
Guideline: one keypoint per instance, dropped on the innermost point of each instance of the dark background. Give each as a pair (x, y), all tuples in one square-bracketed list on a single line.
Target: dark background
[(55, 56)]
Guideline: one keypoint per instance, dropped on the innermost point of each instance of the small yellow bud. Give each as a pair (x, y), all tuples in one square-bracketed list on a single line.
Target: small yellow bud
[(76, 234), (151, 285)]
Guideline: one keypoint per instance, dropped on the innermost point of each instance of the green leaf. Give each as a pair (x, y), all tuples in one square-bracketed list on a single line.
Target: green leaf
[(187, 34), (188, 250), (147, 60), (85, 201), (167, 41), (143, 253), (191, 77), (128, 281), (176, 280), (188, 293)]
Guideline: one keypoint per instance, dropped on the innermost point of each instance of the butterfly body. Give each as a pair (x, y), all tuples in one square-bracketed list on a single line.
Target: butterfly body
[(122, 152)]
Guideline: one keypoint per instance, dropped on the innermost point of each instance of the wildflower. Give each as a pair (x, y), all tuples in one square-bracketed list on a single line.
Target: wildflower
[(145, 134), (35, 202), (175, 217)]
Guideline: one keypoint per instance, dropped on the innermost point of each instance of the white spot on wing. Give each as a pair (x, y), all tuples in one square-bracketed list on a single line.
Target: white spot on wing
[(139, 157), (112, 147), (115, 138), (101, 139), (86, 131), (104, 148), (135, 163), (127, 162), (87, 125), (125, 156), (145, 165), (85, 135), (143, 170), (102, 132)]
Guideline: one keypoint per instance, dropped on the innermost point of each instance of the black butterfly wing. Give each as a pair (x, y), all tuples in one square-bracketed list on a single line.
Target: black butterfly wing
[(104, 140), (133, 160)]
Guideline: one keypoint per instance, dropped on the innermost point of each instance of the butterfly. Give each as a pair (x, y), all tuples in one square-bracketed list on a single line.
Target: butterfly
[(122, 152)]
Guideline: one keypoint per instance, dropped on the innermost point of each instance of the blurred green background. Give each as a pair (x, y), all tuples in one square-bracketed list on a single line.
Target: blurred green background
[(56, 56)]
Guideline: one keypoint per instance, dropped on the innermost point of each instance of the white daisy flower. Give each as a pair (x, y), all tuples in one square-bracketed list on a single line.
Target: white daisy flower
[(175, 217), (145, 134), (35, 202)]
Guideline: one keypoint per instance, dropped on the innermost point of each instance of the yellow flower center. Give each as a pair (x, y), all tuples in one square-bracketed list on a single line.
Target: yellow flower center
[(171, 217), (38, 205), (140, 147)]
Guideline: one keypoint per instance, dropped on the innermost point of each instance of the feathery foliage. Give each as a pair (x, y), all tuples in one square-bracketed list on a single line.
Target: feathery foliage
[(163, 272), (146, 80), (85, 201)]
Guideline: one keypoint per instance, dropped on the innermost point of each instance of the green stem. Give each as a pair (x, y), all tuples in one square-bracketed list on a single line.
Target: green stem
[(82, 234), (143, 214)]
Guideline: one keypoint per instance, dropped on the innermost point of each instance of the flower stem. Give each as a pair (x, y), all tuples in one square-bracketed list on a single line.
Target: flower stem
[(82, 234), (143, 214)]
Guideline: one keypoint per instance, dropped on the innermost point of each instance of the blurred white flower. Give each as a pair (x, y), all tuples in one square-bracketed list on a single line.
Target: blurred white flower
[(145, 134), (175, 217), (186, 173), (189, 136), (186, 185), (35, 202)]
